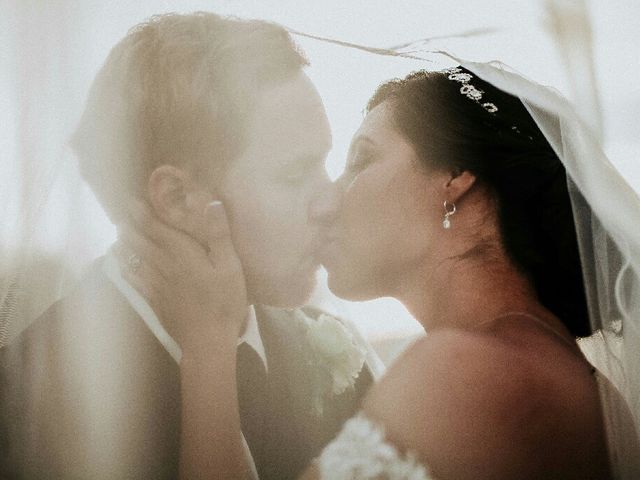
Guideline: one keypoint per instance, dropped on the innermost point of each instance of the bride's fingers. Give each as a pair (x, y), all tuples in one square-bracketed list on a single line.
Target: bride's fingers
[(143, 282), (174, 252), (137, 271), (220, 244), (163, 235), (140, 215), (136, 244)]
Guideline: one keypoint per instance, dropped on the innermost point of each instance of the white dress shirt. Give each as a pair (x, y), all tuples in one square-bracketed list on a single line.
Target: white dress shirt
[(251, 335)]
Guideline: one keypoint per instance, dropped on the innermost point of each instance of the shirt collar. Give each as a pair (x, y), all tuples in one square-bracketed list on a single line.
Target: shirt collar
[(111, 268)]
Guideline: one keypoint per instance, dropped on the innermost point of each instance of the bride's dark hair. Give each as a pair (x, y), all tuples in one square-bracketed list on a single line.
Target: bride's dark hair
[(506, 152)]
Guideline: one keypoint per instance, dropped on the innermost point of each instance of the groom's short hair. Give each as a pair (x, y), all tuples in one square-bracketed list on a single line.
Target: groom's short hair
[(177, 90)]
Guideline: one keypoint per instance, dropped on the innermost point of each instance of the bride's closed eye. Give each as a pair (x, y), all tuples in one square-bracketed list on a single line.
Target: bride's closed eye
[(359, 163), (356, 165), (361, 155)]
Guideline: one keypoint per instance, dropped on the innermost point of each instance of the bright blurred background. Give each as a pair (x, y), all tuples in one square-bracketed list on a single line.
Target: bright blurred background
[(51, 50)]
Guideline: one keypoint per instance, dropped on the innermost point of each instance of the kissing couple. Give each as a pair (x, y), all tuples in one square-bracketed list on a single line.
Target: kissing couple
[(186, 352)]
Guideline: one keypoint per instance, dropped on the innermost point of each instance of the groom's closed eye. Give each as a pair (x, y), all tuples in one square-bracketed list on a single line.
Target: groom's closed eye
[(302, 169)]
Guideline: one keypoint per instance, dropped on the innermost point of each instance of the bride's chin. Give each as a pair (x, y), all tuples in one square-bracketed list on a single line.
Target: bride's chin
[(347, 289)]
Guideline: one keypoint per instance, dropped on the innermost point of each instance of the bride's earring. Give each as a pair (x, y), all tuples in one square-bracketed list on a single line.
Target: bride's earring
[(449, 210)]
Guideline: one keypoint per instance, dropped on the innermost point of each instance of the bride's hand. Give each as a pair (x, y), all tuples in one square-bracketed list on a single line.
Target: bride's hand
[(198, 291), (197, 287)]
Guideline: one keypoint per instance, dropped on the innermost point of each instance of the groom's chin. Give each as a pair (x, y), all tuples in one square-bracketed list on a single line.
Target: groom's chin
[(290, 292), (346, 288)]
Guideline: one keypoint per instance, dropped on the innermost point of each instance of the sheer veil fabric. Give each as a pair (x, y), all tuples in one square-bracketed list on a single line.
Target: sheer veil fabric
[(49, 232), (607, 215)]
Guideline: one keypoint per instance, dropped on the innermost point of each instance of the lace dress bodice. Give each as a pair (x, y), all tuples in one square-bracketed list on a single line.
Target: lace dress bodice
[(360, 451)]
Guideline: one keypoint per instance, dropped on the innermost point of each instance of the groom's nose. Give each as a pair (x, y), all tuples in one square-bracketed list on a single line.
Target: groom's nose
[(324, 208)]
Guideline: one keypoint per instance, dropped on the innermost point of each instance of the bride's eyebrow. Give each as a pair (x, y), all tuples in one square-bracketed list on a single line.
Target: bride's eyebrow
[(363, 139), (360, 140)]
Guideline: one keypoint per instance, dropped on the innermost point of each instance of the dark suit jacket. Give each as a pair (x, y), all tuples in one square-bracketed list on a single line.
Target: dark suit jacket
[(87, 391), (295, 432)]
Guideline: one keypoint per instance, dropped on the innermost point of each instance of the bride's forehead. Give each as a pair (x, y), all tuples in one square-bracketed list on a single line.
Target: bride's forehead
[(379, 118), (379, 127)]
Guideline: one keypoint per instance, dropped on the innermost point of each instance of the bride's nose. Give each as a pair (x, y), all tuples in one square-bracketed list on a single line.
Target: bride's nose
[(324, 208)]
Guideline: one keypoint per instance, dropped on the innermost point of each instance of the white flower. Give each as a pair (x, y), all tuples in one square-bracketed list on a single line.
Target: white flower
[(328, 337), (333, 345), (335, 354)]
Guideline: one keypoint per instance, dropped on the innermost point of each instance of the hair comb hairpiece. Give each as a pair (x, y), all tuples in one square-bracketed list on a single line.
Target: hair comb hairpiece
[(457, 75)]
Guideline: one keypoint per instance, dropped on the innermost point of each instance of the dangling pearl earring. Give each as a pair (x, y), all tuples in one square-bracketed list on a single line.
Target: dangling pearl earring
[(448, 211)]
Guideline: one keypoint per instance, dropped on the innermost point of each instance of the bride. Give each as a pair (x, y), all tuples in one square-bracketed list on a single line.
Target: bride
[(455, 203)]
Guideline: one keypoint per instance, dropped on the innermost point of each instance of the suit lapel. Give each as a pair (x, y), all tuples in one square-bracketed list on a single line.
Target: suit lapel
[(295, 432), (102, 393)]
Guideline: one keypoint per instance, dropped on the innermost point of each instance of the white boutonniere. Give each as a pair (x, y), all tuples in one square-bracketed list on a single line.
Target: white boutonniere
[(332, 348)]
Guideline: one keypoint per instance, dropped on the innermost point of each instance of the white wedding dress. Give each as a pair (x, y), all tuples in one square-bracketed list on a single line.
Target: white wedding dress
[(360, 451)]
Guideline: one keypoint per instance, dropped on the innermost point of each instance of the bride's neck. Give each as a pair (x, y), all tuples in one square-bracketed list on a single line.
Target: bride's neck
[(466, 292)]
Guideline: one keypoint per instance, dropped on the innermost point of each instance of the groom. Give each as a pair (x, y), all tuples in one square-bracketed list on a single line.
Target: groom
[(184, 104)]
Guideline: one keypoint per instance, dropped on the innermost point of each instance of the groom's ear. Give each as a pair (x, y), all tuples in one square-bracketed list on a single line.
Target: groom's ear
[(178, 200)]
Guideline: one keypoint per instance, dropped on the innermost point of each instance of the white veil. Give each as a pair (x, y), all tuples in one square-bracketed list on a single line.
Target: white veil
[(607, 216), (50, 231)]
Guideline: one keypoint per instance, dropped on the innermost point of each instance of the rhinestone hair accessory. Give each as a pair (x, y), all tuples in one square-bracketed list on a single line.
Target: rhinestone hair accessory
[(457, 75)]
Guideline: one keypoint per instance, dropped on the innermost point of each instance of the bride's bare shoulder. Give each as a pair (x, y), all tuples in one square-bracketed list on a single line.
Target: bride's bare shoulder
[(449, 372), (474, 398)]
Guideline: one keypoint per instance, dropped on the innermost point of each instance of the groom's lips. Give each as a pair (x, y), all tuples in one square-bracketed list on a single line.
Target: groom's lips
[(328, 250), (313, 257)]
